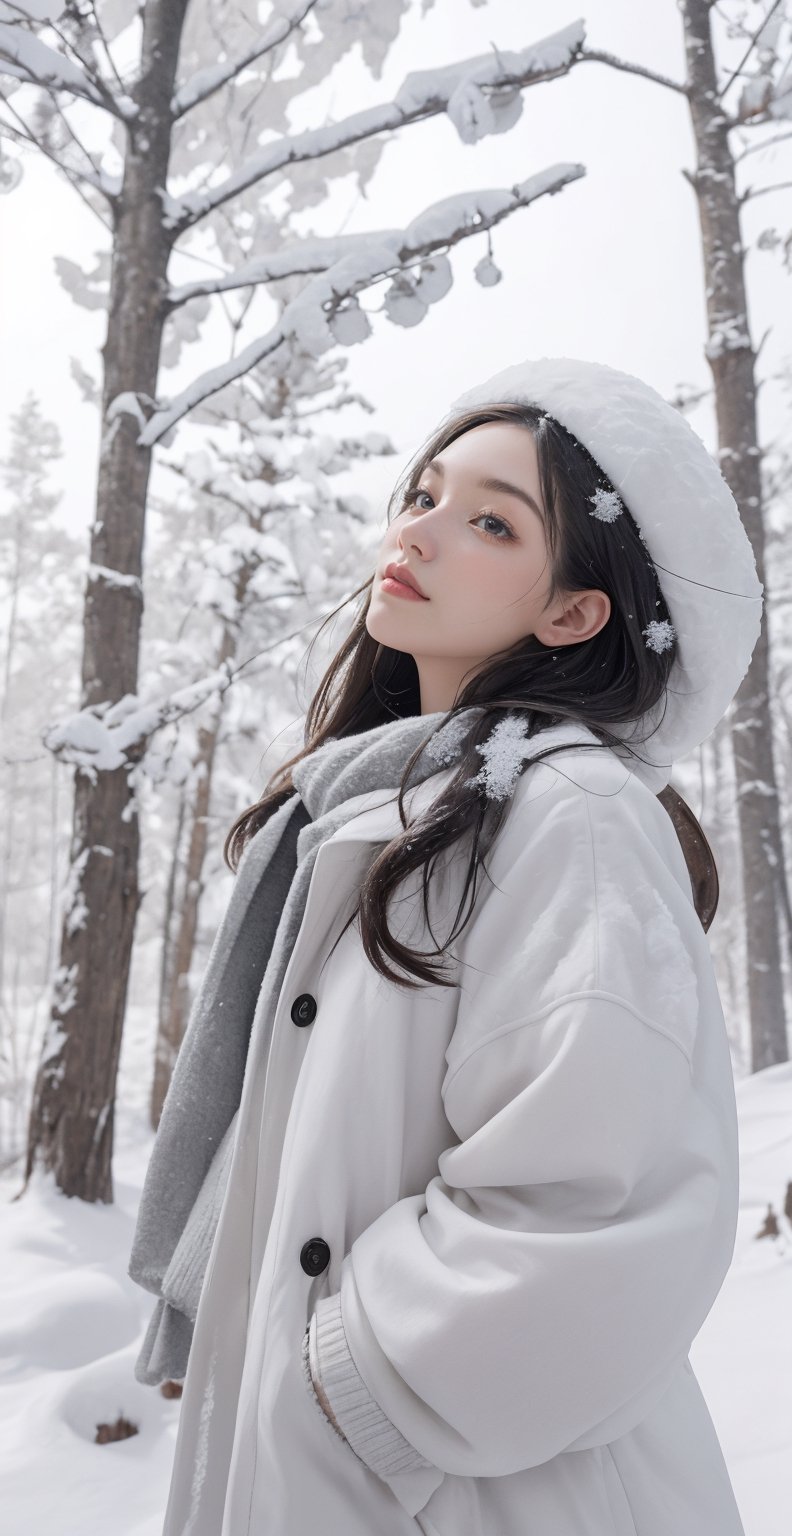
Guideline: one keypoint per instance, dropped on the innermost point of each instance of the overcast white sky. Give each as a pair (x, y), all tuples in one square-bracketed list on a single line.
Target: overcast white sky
[(610, 268)]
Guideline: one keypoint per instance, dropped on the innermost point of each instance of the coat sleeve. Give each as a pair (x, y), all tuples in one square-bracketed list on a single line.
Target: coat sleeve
[(538, 1295)]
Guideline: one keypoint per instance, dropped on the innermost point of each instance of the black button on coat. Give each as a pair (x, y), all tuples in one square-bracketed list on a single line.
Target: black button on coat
[(303, 1009), (315, 1255)]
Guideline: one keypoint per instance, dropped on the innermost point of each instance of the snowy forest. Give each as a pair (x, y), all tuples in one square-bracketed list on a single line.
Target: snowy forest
[(268, 241)]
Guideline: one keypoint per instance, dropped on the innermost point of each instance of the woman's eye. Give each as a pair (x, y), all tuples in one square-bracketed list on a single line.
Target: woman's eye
[(412, 497), (490, 517)]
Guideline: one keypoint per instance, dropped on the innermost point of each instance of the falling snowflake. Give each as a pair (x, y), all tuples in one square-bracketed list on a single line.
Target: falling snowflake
[(504, 753), (659, 635), (607, 506)]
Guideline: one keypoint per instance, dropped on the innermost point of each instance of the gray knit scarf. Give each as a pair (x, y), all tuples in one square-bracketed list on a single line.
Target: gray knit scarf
[(187, 1173)]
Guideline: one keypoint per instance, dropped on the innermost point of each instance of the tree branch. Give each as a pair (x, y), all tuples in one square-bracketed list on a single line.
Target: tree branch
[(596, 56), (749, 50), (74, 177), (119, 735), (15, 135), (111, 61), (122, 732), (23, 55), (94, 176), (753, 149), (89, 65), (779, 186), (205, 82), (422, 94), (303, 258), (374, 256)]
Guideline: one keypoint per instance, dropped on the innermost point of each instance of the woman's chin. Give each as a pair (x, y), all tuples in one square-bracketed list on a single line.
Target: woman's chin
[(384, 627)]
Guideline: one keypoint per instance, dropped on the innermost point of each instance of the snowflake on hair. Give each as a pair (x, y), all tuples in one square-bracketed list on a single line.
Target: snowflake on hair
[(659, 635), (445, 744), (504, 752), (607, 506)]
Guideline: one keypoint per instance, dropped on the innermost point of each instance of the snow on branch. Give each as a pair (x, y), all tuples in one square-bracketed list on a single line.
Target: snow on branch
[(26, 57), (764, 40), (765, 99), (326, 310), (480, 95), (205, 82), (301, 258), (24, 134), (119, 735)]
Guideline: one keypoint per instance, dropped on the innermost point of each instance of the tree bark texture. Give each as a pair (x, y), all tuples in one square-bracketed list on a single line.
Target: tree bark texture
[(175, 1001), (161, 1074), (732, 361), (71, 1120), (180, 945)]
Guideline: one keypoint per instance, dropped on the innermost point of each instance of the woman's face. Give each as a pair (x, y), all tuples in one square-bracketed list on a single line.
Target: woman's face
[(479, 554)]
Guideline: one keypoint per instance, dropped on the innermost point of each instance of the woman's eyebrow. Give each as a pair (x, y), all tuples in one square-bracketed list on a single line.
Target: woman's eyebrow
[(492, 483)]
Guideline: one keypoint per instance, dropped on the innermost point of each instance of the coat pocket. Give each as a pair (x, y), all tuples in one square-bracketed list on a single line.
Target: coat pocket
[(623, 1521), (453, 1510), (425, 1525)]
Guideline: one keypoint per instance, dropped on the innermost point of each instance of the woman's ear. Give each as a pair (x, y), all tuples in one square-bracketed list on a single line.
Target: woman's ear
[(572, 617)]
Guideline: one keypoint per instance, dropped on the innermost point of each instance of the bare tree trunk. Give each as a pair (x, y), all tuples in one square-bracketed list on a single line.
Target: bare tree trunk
[(8, 812), (71, 1120), (175, 1000), (728, 931), (162, 1049), (9, 1023), (732, 361)]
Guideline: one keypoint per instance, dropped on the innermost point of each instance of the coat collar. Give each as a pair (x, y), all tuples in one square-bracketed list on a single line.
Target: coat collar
[(374, 815)]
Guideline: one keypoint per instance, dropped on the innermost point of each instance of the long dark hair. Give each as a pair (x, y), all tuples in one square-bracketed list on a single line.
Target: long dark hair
[(613, 677)]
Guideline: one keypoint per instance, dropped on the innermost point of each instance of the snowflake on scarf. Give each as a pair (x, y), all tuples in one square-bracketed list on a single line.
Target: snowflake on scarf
[(659, 635), (607, 506), (445, 744), (504, 753)]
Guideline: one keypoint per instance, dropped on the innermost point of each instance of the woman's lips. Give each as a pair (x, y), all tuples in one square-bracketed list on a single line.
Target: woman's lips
[(401, 589)]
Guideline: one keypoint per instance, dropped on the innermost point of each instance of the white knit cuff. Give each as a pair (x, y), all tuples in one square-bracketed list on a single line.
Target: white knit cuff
[(369, 1431), (309, 1381)]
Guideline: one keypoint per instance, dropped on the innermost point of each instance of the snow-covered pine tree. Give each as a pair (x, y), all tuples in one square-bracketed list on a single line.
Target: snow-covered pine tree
[(256, 543), (41, 572)]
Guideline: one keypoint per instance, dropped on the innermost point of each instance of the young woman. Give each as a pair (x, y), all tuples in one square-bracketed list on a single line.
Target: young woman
[(446, 1181)]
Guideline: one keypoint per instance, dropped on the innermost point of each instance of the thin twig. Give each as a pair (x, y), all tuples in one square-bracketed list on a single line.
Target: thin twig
[(7, 131), (758, 349), (778, 186), (89, 157), (749, 50), (753, 149), (105, 95), (73, 176), (182, 102), (596, 56), (93, 73), (111, 61)]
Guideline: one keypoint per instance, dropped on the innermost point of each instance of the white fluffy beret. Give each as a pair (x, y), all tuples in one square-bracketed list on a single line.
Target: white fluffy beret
[(691, 526)]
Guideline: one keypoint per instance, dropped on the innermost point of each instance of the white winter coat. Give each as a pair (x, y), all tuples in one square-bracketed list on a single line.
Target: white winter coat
[(527, 1186)]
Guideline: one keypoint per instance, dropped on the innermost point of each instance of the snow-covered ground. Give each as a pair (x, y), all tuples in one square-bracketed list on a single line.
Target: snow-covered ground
[(71, 1324)]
